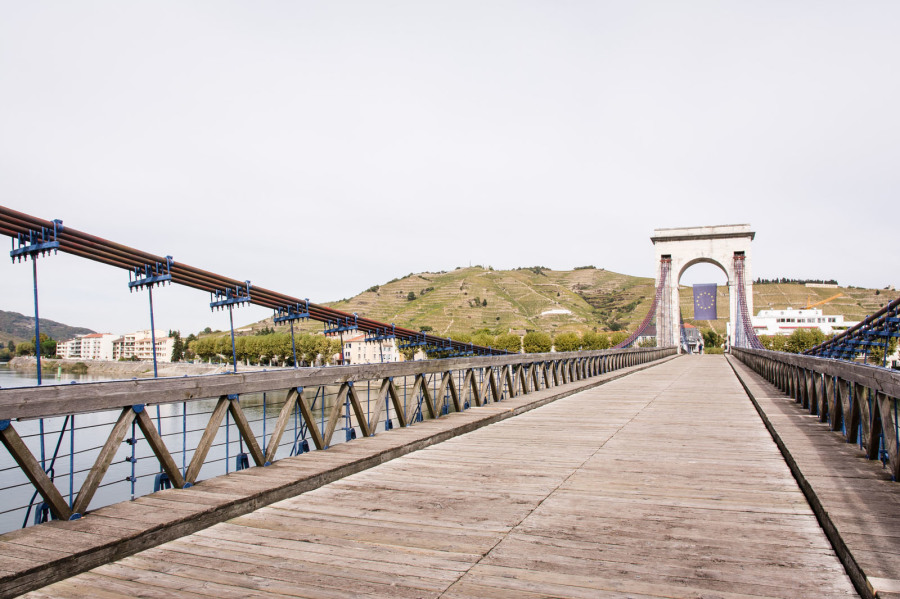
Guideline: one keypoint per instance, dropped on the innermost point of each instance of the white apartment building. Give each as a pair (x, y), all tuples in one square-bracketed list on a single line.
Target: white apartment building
[(140, 345), (785, 322), (96, 346), (357, 351)]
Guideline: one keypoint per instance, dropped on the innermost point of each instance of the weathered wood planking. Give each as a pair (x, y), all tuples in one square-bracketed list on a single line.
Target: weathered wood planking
[(664, 483), (854, 498), (123, 529)]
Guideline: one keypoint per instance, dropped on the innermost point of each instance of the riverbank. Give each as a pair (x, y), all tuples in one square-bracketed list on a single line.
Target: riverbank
[(120, 370)]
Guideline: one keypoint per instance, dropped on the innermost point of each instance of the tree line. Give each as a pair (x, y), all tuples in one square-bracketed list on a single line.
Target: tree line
[(267, 349)]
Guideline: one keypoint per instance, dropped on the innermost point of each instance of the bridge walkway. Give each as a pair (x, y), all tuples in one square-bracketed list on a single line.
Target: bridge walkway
[(664, 483)]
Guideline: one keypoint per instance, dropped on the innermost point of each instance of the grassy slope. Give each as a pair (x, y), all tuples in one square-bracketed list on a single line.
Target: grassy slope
[(515, 300), (596, 299)]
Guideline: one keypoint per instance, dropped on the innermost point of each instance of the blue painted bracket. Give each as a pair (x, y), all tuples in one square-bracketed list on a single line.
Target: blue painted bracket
[(150, 275), (223, 298), (414, 341), (36, 242), (381, 334), (298, 311), (339, 325)]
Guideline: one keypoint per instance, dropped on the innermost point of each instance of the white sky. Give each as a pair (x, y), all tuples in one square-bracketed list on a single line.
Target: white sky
[(318, 148)]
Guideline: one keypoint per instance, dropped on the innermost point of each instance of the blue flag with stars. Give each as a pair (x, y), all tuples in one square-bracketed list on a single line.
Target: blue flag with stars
[(705, 302)]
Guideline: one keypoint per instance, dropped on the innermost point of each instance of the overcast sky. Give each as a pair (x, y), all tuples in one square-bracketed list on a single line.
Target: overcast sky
[(319, 148)]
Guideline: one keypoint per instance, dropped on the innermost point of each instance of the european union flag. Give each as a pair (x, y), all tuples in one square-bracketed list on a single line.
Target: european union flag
[(705, 302)]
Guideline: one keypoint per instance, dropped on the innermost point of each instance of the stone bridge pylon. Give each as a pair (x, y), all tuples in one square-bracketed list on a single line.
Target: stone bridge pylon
[(685, 247)]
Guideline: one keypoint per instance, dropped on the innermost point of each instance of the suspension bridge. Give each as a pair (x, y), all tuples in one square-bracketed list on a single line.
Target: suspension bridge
[(631, 471)]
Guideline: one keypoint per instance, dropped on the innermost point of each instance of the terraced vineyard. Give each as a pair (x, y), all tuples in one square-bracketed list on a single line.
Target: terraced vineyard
[(468, 299)]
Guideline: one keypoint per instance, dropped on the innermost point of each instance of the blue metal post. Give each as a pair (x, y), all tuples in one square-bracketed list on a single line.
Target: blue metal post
[(153, 334), (71, 461), (183, 438), (293, 348), (233, 350), (37, 320)]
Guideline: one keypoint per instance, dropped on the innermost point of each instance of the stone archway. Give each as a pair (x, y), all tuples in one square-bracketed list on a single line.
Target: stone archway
[(685, 247)]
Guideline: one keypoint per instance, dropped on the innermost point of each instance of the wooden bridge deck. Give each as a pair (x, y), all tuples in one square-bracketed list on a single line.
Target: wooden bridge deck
[(664, 483)]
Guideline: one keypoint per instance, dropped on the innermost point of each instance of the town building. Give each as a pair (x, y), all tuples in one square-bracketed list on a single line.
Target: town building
[(95, 346), (785, 322), (139, 346), (358, 351)]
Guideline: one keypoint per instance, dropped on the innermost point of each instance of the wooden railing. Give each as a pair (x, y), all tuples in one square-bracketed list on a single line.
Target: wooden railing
[(858, 400), (410, 391)]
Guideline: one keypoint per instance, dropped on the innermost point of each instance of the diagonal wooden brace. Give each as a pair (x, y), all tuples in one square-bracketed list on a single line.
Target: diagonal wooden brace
[(33, 470), (166, 462), (101, 465)]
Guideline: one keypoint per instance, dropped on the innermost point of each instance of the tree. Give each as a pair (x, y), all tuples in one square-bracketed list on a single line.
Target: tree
[(876, 354), (567, 342), (48, 345), (410, 296), (536, 342), (617, 337), (803, 339), (4, 354), (11, 346), (461, 337), (508, 342), (773, 342), (592, 340), (712, 339), (26, 348), (483, 339), (177, 346), (223, 348), (408, 353)]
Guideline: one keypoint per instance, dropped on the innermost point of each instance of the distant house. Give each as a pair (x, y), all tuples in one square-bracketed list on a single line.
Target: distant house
[(648, 334)]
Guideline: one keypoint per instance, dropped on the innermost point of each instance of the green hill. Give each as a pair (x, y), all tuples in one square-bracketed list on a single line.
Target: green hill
[(468, 299), (17, 327), (535, 298)]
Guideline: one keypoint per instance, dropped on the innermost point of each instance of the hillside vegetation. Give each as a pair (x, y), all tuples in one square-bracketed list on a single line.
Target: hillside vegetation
[(527, 299), (467, 300), (17, 327)]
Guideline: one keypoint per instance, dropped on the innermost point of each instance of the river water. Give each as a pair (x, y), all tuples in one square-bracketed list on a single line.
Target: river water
[(181, 426)]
